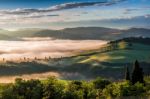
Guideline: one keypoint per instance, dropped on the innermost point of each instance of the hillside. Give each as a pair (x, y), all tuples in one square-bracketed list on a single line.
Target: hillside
[(6, 37), (80, 33), (136, 32), (108, 61)]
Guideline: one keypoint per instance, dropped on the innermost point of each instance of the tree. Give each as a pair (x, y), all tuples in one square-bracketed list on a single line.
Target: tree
[(31, 89), (53, 89), (127, 74), (3, 59), (21, 89), (100, 83), (35, 58), (137, 74), (24, 58)]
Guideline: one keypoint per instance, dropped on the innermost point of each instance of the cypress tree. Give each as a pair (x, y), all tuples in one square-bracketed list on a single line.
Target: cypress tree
[(137, 74), (127, 74)]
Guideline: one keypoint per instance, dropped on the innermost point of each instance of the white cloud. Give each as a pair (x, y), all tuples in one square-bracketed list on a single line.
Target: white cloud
[(59, 7)]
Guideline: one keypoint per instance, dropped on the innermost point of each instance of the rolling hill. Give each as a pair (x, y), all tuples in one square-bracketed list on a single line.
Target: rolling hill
[(9, 38), (80, 33), (108, 61), (6, 35), (111, 60)]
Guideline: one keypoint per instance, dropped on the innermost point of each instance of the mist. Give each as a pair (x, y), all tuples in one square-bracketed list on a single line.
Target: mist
[(45, 47)]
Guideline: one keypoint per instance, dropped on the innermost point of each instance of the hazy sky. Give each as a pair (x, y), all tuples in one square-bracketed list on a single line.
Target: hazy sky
[(57, 14)]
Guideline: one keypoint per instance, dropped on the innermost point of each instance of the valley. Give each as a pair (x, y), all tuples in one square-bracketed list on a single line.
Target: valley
[(107, 60), (74, 49)]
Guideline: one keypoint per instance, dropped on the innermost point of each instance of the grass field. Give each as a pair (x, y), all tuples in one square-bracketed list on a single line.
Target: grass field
[(139, 52)]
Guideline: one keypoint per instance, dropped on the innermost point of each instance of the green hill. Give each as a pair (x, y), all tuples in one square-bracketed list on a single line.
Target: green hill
[(121, 51), (122, 54), (110, 60)]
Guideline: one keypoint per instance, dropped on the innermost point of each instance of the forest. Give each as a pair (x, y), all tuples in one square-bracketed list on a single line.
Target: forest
[(133, 85)]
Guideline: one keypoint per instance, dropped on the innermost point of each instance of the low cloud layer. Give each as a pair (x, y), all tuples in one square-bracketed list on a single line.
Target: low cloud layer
[(38, 47)]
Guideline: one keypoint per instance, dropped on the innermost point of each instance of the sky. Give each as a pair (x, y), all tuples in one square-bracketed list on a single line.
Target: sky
[(59, 14)]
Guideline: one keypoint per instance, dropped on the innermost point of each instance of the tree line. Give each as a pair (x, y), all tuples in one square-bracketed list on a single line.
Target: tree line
[(99, 88)]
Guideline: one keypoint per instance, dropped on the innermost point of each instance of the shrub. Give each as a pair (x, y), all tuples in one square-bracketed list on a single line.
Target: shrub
[(124, 89), (22, 89), (53, 89), (100, 83)]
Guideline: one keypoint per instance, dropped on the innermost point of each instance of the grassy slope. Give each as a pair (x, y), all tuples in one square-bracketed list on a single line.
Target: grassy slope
[(138, 51), (111, 63)]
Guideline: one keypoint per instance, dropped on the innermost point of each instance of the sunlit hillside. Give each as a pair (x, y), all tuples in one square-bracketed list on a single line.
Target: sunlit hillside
[(107, 61)]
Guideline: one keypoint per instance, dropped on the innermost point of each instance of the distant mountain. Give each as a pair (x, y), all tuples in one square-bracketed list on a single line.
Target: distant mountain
[(25, 32), (80, 33), (92, 33), (4, 35), (136, 32)]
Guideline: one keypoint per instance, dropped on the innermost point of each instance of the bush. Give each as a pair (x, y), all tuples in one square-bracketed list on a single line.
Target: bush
[(74, 90), (80, 90), (100, 83), (124, 89), (53, 89), (24, 90)]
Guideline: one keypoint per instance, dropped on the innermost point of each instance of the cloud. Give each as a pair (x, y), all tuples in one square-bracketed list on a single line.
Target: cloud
[(28, 16), (59, 7), (120, 22), (147, 16), (82, 4), (130, 10), (40, 16)]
